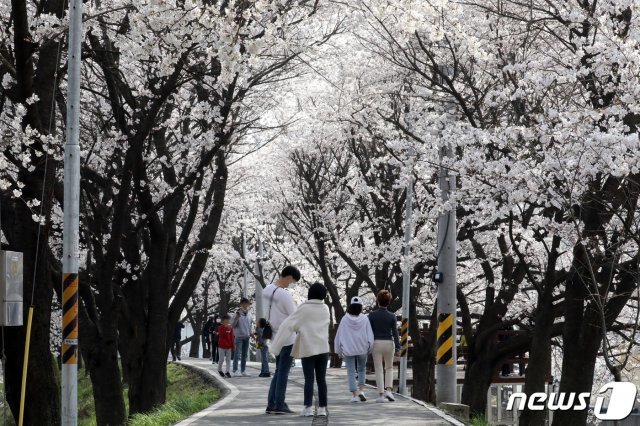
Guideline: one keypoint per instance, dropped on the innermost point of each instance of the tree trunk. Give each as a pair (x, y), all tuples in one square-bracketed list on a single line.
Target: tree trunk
[(477, 381), (424, 368), (539, 356), (100, 349), (147, 388), (581, 339)]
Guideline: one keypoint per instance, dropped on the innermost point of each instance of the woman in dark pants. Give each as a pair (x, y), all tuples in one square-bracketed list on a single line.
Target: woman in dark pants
[(311, 322)]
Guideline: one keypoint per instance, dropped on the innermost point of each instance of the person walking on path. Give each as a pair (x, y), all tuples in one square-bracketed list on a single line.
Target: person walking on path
[(354, 341), (311, 323), (280, 306), (263, 346), (176, 346), (226, 345), (242, 332), (213, 338), (386, 344), (206, 343)]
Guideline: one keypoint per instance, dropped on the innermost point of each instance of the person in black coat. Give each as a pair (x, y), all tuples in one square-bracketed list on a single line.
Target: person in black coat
[(176, 346), (206, 343), (213, 339)]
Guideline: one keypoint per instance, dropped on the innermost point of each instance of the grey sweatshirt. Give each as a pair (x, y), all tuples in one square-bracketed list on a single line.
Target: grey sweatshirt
[(384, 326), (242, 325)]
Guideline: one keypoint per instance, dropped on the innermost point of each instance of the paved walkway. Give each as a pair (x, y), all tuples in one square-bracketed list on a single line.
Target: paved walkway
[(245, 401)]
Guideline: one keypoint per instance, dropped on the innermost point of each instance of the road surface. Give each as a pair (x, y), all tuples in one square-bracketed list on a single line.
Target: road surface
[(244, 403)]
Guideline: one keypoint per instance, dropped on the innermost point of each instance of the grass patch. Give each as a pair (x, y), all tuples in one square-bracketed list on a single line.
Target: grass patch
[(187, 393), (479, 421)]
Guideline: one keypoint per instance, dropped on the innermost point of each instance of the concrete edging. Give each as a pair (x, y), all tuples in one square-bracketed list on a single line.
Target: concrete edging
[(230, 392), (434, 410)]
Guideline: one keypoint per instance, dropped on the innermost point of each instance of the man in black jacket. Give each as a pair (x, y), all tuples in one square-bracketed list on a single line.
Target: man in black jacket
[(206, 349)]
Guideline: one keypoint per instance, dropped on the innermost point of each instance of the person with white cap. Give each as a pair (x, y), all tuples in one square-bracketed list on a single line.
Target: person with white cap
[(354, 341)]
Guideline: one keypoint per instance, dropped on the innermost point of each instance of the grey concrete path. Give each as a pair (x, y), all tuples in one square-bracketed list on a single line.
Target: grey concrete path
[(245, 401)]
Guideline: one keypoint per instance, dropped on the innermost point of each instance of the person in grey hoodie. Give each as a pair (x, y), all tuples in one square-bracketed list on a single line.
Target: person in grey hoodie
[(354, 341), (242, 331)]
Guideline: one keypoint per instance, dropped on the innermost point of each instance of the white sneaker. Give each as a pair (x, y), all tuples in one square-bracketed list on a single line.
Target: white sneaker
[(389, 396), (245, 375), (307, 412), (381, 399), (322, 411), (362, 397), (354, 399)]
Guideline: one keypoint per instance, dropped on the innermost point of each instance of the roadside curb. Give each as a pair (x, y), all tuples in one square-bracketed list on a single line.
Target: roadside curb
[(434, 410), (230, 392)]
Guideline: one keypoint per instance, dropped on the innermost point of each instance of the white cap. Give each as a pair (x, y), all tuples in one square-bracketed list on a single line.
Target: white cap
[(355, 300)]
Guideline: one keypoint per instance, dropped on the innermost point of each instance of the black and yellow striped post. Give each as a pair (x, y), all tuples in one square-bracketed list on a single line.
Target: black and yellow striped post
[(404, 337), (70, 319), (444, 348)]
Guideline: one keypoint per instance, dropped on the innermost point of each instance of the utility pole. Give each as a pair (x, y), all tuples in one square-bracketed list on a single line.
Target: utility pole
[(446, 363), (71, 240), (406, 281), (244, 266)]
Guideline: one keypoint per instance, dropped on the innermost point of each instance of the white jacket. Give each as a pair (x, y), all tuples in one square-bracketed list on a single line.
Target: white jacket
[(278, 309), (311, 322), (354, 336)]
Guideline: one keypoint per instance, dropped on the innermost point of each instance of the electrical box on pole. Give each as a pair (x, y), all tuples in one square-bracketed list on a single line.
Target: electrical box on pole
[(11, 288)]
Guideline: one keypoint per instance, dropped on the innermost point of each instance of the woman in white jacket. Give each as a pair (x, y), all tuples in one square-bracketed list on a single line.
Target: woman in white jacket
[(354, 341), (311, 322)]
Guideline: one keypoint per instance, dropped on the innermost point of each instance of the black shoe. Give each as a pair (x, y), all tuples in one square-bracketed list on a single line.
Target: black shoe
[(221, 373), (267, 375), (179, 359), (285, 410), (269, 410), (227, 375)]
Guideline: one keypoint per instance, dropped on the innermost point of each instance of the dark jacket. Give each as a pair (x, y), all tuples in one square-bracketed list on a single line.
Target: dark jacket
[(384, 326), (206, 328), (177, 333)]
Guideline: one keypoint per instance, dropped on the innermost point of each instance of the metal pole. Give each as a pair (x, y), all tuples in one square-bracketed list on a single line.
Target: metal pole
[(446, 363), (244, 266), (71, 244), (406, 285), (259, 305), (258, 292)]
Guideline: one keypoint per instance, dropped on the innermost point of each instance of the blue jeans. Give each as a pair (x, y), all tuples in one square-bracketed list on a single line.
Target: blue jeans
[(351, 361), (278, 387), (315, 369), (264, 359), (242, 349)]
